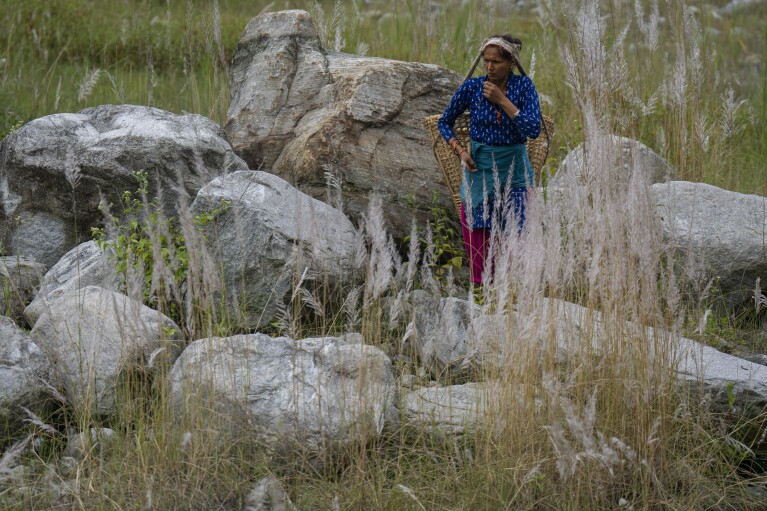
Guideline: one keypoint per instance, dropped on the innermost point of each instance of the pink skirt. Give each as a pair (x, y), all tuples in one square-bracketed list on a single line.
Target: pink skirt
[(476, 242)]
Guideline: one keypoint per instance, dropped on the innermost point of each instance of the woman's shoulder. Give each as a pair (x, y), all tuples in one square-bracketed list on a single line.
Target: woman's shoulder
[(473, 83), (522, 81)]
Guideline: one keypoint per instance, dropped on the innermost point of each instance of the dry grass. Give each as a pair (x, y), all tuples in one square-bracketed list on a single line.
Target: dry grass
[(606, 427)]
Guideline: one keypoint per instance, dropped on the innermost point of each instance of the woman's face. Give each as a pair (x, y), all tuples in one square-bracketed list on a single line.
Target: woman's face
[(496, 66)]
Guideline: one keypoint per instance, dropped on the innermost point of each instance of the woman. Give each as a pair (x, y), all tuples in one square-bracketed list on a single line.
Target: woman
[(504, 113)]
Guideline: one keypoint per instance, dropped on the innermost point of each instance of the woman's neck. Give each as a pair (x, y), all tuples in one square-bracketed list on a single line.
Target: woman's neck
[(500, 83)]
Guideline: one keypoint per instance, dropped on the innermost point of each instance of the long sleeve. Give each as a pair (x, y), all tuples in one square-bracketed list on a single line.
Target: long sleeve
[(485, 126), (458, 104), (528, 122)]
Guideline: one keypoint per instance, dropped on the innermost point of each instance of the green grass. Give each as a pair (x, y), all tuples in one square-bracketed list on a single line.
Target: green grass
[(168, 55)]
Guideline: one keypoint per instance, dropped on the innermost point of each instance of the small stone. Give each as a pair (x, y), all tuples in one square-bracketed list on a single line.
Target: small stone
[(408, 380), (268, 495), (78, 446), (67, 466)]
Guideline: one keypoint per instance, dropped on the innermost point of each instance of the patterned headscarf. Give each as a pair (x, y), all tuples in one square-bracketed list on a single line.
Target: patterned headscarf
[(511, 48)]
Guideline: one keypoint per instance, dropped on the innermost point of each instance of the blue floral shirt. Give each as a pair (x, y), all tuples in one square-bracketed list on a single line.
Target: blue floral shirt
[(485, 127)]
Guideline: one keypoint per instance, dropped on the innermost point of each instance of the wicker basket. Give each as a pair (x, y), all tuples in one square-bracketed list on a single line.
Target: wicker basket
[(537, 150)]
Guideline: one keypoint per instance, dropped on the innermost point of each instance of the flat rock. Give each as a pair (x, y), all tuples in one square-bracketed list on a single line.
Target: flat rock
[(488, 344), (458, 409)]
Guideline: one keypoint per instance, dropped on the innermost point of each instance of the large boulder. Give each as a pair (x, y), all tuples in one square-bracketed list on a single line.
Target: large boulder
[(266, 238), (623, 155), (302, 111), (55, 170), (314, 393), (85, 265), (19, 281), (488, 343), (24, 371), (93, 336), (717, 234)]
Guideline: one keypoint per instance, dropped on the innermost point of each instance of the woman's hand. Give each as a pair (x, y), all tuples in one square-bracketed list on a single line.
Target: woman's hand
[(467, 162), (493, 93)]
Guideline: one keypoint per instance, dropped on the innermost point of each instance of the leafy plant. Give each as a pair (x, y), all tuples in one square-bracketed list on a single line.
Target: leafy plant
[(144, 238), (440, 241), (10, 130)]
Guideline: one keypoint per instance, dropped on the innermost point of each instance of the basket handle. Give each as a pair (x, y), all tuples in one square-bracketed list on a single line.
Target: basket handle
[(473, 67)]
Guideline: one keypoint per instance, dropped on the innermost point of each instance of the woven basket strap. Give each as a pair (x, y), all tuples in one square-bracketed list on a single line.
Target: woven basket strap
[(473, 67)]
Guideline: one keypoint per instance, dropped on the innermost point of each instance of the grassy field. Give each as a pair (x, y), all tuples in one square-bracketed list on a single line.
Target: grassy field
[(608, 430), (691, 86)]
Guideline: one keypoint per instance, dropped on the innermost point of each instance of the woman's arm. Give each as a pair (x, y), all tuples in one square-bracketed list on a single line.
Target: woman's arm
[(526, 116), (458, 105), (528, 121)]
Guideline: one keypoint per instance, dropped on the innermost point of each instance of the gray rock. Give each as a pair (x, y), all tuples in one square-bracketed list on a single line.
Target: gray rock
[(268, 495), (759, 358), (455, 341), (489, 342), (67, 467), (735, 6), (24, 370), (19, 280), (300, 111), (80, 444), (43, 216), (458, 409), (725, 377), (267, 238), (716, 234), (92, 335), (621, 154), (84, 265), (441, 336), (310, 392)]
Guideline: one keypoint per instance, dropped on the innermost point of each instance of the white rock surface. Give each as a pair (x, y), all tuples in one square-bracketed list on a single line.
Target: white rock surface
[(455, 341), (624, 155), (84, 265), (269, 235), (458, 409), (92, 335), (43, 215), (313, 392), (24, 370), (717, 233), (490, 343)]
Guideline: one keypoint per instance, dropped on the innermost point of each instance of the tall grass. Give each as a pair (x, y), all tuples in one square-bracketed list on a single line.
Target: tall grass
[(604, 427)]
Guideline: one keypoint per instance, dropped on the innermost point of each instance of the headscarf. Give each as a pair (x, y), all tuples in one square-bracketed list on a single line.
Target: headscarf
[(511, 48)]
